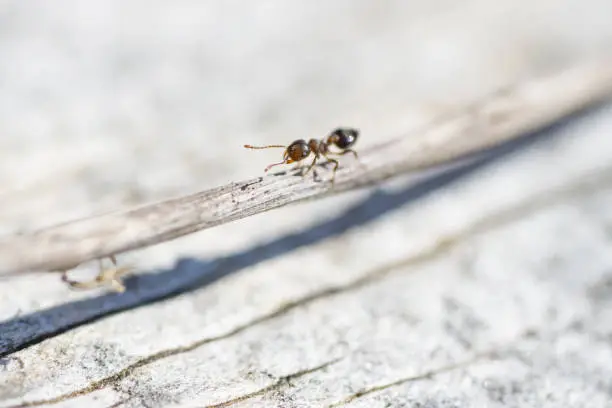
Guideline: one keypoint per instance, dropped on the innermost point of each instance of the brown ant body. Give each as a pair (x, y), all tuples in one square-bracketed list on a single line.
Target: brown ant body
[(342, 138)]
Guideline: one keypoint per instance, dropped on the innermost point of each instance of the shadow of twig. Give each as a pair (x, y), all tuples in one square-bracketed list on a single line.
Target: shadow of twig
[(190, 273)]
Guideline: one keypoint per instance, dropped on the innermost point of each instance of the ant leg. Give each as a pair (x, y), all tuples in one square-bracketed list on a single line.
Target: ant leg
[(345, 152), (105, 276), (298, 166), (336, 164), (349, 151), (311, 166)]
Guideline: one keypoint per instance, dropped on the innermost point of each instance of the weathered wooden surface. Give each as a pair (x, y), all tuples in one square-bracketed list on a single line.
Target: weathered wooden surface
[(489, 286)]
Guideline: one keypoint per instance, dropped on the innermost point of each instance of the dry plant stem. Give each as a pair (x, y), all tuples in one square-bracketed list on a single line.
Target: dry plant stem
[(501, 117)]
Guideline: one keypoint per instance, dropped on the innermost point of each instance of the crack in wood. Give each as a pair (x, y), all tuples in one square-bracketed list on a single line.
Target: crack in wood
[(419, 377), (490, 355), (591, 183), (278, 384)]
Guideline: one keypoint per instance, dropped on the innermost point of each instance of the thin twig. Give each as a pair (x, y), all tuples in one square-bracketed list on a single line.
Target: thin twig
[(503, 116)]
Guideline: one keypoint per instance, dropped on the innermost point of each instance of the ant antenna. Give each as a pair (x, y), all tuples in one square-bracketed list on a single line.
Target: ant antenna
[(267, 147), (274, 164), (263, 147)]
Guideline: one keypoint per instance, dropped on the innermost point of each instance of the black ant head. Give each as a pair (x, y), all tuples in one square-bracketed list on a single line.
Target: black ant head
[(297, 151), (343, 138)]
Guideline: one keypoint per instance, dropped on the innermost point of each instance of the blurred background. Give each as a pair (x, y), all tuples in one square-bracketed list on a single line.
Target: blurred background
[(115, 103)]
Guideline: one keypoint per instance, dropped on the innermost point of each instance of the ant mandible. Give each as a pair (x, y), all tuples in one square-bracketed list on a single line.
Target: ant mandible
[(342, 138)]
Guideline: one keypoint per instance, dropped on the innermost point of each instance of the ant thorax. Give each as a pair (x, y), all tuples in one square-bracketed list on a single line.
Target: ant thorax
[(318, 147), (315, 146)]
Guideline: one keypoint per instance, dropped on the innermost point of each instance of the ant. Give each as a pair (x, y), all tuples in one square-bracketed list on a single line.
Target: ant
[(342, 138)]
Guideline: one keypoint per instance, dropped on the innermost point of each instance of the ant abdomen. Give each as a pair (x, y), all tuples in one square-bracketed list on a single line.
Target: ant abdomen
[(343, 138)]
